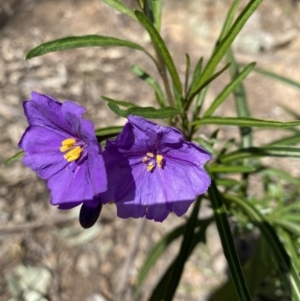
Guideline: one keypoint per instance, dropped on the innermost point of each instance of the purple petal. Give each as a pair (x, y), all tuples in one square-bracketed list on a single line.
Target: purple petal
[(149, 199), (182, 182), (42, 154), (72, 114), (121, 183), (72, 185), (187, 152), (44, 111), (96, 168)]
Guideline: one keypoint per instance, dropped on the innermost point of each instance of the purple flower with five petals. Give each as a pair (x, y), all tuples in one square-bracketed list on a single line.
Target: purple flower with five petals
[(62, 148), (153, 171)]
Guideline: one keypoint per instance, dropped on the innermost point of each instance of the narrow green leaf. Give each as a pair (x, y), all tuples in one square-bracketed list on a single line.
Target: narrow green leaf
[(229, 183), (13, 158), (285, 224), (286, 268), (119, 102), (152, 82), (246, 122), (241, 104), (256, 270), (161, 48), (278, 173), (157, 251), (183, 255), (110, 130), (290, 111), (80, 41), (257, 152), (147, 112), (227, 243), (157, 13), (231, 169), (158, 293), (293, 139), (117, 110), (229, 18), (207, 82), (208, 145), (291, 248), (155, 254), (196, 74), (120, 6), (228, 89), (187, 72), (224, 45), (278, 77)]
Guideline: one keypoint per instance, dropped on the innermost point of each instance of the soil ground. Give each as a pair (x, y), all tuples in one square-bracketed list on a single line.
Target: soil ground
[(91, 264)]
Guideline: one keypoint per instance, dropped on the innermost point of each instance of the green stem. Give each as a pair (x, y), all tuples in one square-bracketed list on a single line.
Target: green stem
[(227, 243)]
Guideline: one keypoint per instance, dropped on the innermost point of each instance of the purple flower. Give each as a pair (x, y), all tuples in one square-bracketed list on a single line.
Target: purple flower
[(153, 171), (62, 148)]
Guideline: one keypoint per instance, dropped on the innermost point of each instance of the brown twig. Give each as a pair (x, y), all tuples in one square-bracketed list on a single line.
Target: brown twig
[(38, 224), (128, 262)]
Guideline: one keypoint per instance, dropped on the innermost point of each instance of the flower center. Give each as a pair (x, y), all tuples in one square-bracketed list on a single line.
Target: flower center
[(74, 150), (152, 160)]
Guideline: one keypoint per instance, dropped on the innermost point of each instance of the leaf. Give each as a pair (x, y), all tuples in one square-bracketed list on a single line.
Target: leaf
[(120, 6), (227, 243), (196, 73), (228, 89), (161, 48), (289, 226), (152, 82), (183, 255), (158, 293), (156, 252), (224, 45), (229, 183), (119, 102), (282, 79), (147, 112), (78, 42), (245, 122), (278, 173), (187, 72), (157, 13), (240, 100), (286, 268), (206, 83), (256, 152), (231, 169), (108, 130), (256, 270), (13, 158), (229, 18), (290, 111), (293, 139)]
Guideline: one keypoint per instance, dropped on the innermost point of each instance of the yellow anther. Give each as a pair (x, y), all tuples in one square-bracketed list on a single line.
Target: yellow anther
[(159, 160), (150, 155), (150, 166), (73, 154), (67, 144), (145, 159)]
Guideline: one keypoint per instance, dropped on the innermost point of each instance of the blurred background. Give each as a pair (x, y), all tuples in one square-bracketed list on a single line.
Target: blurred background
[(44, 253)]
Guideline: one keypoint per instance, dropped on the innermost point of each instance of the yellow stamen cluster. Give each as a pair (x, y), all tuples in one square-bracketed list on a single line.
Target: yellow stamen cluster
[(159, 160), (74, 152), (150, 164)]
